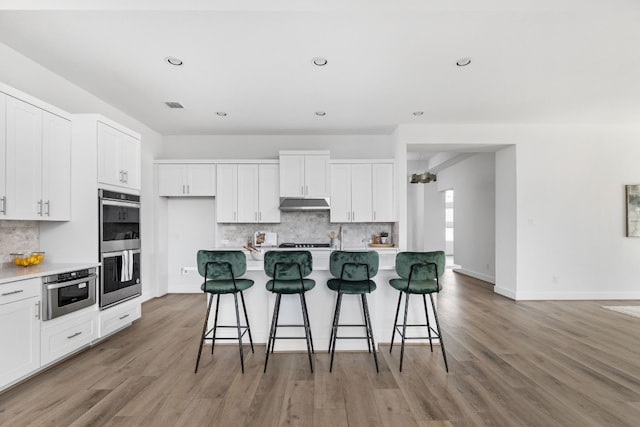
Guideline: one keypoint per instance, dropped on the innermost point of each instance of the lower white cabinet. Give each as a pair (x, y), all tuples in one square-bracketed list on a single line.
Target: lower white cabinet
[(119, 316), (67, 334), (19, 330)]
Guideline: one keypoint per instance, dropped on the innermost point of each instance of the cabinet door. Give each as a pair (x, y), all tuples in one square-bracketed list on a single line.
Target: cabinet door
[(109, 170), (56, 167), (292, 176), (317, 176), (340, 193), (171, 181), (226, 193), (130, 161), (361, 193), (3, 154), (201, 180), (20, 338), (383, 193), (248, 210), (24, 160), (269, 193)]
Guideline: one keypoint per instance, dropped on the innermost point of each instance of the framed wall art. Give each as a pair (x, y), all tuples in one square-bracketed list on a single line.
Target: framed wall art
[(633, 210)]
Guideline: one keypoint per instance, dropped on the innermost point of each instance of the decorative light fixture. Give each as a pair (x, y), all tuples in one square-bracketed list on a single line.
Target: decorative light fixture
[(463, 62), (319, 61), (422, 178), (173, 60), (221, 113), (320, 113), (418, 113)]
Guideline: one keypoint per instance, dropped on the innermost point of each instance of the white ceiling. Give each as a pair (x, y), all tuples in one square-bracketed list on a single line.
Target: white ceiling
[(545, 61)]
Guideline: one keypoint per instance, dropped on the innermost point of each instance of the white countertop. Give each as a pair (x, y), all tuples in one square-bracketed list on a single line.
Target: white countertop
[(11, 273)]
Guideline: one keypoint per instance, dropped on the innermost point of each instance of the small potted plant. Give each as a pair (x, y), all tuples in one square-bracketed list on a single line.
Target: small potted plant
[(384, 237)]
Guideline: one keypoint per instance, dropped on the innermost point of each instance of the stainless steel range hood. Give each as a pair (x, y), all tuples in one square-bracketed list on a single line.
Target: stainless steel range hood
[(300, 204)]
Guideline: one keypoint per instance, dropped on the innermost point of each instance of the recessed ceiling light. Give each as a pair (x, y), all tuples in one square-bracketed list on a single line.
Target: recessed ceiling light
[(319, 61), (320, 113), (221, 113), (173, 60), (463, 62), (173, 104), (418, 113)]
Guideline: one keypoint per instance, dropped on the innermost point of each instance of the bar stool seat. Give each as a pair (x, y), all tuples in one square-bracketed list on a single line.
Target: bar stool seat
[(352, 272), (288, 271), (419, 274), (221, 271)]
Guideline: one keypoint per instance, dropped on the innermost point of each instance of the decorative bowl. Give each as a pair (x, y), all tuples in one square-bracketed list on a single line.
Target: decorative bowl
[(257, 255), (25, 259)]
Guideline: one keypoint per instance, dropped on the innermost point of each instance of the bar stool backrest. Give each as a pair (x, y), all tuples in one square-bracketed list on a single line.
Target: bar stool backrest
[(352, 265), (288, 262), (219, 261), (405, 260)]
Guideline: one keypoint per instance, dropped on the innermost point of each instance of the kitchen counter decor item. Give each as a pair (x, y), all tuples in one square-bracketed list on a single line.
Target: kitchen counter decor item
[(26, 259)]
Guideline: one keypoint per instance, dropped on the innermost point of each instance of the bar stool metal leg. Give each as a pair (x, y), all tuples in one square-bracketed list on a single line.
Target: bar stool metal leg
[(272, 332), (307, 329), (336, 321), (366, 320), (204, 331), (395, 322), (369, 331), (306, 310), (435, 315), (333, 328), (246, 318), (426, 313), (404, 328), (235, 298), (215, 323)]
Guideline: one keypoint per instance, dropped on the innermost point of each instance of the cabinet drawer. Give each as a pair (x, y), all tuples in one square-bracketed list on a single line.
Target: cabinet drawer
[(118, 317), (22, 289), (65, 335)]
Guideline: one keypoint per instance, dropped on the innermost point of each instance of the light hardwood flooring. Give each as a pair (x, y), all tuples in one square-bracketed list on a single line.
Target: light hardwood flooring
[(543, 363)]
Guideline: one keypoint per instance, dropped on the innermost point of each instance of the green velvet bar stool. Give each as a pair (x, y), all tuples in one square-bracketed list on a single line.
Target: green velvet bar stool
[(221, 271), (419, 274), (288, 271), (352, 273)]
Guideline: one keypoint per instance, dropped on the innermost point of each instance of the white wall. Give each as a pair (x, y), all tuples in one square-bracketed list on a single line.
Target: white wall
[(29, 77), (506, 222), (267, 146), (433, 218), (473, 183), (570, 218)]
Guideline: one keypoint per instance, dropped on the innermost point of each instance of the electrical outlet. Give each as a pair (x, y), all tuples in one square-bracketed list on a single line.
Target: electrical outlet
[(184, 271)]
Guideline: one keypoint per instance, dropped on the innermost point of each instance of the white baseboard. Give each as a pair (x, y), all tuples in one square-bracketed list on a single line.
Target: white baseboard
[(480, 276)]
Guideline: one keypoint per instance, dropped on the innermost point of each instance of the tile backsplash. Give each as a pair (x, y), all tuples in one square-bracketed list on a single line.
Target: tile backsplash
[(302, 227), (18, 236)]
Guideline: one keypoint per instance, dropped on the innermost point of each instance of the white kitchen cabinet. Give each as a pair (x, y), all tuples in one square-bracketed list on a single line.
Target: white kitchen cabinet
[(3, 154), (383, 202), (19, 329), (175, 180), (67, 334), (247, 193), (38, 163), (117, 317), (351, 193), (118, 157), (362, 192), (304, 174)]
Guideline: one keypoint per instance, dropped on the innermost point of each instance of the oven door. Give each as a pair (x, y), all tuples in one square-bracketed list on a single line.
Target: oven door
[(120, 278), (119, 225), (66, 297)]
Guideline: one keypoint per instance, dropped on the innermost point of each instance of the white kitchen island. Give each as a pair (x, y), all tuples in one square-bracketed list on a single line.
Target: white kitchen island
[(321, 303)]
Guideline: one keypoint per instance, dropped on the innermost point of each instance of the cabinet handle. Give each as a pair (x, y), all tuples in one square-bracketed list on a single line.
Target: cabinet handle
[(374, 215), (4, 205), (183, 189), (74, 335), (48, 204), (121, 175), (188, 189), (302, 190), (126, 176), (12, 293), (38, 310), (234, 216), (259, 216), (306, 190), (123, 317), (353, 216), (40, 207)]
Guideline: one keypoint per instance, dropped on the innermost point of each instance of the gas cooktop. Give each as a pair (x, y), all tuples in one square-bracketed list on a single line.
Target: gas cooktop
[(304, 245)]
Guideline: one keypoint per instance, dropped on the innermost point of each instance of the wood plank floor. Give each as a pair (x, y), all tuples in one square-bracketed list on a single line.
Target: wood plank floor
[(546, 363)]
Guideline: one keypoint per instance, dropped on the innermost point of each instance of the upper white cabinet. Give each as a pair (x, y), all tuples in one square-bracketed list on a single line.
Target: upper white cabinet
[(118, 157), (38, 163), (247, 193), (304, 174), (3, 155), (362, 192), (186, 180)]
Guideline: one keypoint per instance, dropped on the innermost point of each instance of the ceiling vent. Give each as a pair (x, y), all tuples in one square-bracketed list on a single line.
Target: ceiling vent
[(174, 105)]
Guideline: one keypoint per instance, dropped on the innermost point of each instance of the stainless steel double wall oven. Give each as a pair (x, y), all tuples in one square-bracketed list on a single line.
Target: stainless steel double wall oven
[(119, 247)]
